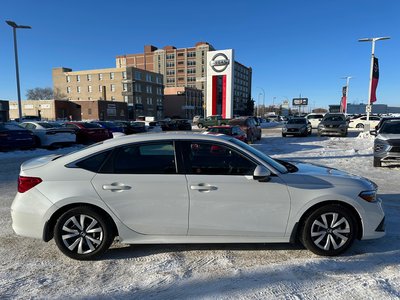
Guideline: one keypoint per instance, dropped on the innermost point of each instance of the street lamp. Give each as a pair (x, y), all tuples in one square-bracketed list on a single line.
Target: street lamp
[(15, 26), (373, 40), (263, 94)]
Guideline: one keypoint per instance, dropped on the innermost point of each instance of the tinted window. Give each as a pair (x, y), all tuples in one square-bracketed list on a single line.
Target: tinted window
[(297, 121), (154, 158), (94, 162), (226, 131), (391, 128), (216, 159)]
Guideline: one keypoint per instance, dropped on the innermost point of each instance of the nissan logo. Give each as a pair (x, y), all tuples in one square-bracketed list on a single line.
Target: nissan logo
[(219, 62)]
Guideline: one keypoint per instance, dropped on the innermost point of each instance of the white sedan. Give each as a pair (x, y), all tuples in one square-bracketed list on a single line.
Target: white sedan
[(50, 134), (360, 122), (189, 188)]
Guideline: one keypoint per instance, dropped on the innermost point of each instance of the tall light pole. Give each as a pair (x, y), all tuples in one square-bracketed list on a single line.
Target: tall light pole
[(263, 94), (373, 40), (15, 27), (347, 91)]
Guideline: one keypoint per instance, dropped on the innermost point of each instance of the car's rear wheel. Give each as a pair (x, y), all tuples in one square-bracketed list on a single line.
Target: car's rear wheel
[(200, 125), (82, 233), (377, 162), (329, 230), (360, 126)]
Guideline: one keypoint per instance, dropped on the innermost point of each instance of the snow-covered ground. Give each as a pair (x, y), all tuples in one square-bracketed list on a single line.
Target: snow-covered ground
[(369, 270)]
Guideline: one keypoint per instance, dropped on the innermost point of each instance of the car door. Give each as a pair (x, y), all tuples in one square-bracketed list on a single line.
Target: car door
[(225, 200), (140, 183)]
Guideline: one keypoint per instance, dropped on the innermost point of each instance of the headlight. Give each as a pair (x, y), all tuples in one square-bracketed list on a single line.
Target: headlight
[(369, 196), (284, 129), (321, 125), (380, 147), (343, 125)]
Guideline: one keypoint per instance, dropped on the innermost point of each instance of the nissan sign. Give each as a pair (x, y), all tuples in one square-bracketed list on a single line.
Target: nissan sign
[(219, 62)]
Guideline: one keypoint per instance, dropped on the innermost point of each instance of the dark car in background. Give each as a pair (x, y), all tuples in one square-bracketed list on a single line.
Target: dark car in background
[(385, 119), (234, 131), (110, 126), (13, 136), (387, 143), (333, 124), (297, 126), (88, 133), (249, 126), (131, 127)]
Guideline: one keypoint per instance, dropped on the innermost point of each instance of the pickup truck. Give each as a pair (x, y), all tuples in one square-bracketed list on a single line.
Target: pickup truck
[(216, 120)]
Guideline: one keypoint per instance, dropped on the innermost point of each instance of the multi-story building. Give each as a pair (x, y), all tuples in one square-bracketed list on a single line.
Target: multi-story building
[(142, 90), (187, 67), (183, 102)]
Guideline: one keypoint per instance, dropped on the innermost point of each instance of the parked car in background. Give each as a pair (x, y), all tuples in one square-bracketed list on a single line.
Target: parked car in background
[(211, 121), (189, 188), (314, 119), (333, 124), (182, 124), (89, 133), (297, 126), (151, 126), (114, 128), (387, 143), (361, 121), (234, 131), (131, 127), (50, 134), (249, 126), (13, 136), (28, 118)]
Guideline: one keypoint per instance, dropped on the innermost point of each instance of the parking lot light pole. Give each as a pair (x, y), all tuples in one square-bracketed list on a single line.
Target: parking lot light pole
[(15, 27), (373, 40)]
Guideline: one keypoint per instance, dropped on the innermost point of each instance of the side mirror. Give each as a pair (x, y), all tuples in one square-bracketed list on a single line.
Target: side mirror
[(373, 132), (262, 174)]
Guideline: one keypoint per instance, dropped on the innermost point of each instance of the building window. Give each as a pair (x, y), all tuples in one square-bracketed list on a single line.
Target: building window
[(78, 89), (191, 63), (170, 64), (78, 78), (125, 87), (149, 89), (159, 101), (149, 101), (124, 75), (170, 56), (112, 75), (68, 89), (112, 98), (138, 87), (159, 80), (181, 54), (68, 78), (169, 72), (159, 91), (149, 77), (89, 111), (89, 98), (89, 77), (191, 71), (138, 75), (89, 88), (191, 54), (181, 62), (126, 99), (100, 88), (112, 87), (170, 80), (139, 99), (100, 76)]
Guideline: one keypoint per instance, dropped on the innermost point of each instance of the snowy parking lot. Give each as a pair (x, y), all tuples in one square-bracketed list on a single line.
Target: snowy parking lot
[(369, 270)]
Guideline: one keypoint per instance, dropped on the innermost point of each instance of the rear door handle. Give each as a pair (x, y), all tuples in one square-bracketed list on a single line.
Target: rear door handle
[(203, 187), (116, 187)]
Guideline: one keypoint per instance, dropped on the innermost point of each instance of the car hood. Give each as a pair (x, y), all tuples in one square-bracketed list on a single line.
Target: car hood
[(311, 174), (295, 125), (386, 136), (325, 123)]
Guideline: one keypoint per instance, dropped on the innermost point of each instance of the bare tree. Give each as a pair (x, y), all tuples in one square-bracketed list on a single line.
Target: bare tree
[(39, 93), (58, 95)]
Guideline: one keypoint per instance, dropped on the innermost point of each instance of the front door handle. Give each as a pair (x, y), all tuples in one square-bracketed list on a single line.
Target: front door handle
[(203, 187), (116, 187)]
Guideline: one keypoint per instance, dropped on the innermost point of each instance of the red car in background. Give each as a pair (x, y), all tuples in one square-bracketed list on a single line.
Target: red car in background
[(234, 131), (250, 126), (88, 133)]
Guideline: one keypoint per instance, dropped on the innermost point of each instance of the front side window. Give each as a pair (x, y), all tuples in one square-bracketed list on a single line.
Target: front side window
[(153, 158), (216, 159)]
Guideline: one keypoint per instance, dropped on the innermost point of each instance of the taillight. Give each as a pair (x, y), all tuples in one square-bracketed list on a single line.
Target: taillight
[(26, 183)]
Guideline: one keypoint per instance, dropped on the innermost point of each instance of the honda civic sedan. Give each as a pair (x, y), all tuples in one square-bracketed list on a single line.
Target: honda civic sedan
[(189, 188)]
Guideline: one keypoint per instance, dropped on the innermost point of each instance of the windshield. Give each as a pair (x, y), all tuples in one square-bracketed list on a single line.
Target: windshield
[(391, 128), (334, 118), (276, 165), (297, 121)]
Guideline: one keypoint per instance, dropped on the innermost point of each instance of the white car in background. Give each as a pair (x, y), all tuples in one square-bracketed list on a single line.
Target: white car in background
[(314, 119), (190, 188), (361, 121), (49, 134)]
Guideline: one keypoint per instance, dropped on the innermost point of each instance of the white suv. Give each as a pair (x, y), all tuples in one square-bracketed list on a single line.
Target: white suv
[(314, 119)]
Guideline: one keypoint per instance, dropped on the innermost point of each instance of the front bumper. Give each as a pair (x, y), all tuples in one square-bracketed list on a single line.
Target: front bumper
[(373, 221)]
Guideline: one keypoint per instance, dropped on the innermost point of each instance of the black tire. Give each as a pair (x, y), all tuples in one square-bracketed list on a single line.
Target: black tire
[(38, 143), (283, 135), (377, 162), (360, 125), (200, 125), (92, 244), (319, 230)]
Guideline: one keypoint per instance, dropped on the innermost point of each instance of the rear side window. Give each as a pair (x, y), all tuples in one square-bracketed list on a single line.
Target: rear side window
[(153, 158), (94, 162)]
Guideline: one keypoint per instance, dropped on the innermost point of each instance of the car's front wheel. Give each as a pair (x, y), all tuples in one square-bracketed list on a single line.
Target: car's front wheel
[(82, 233), (377, 162), (329, 230)]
